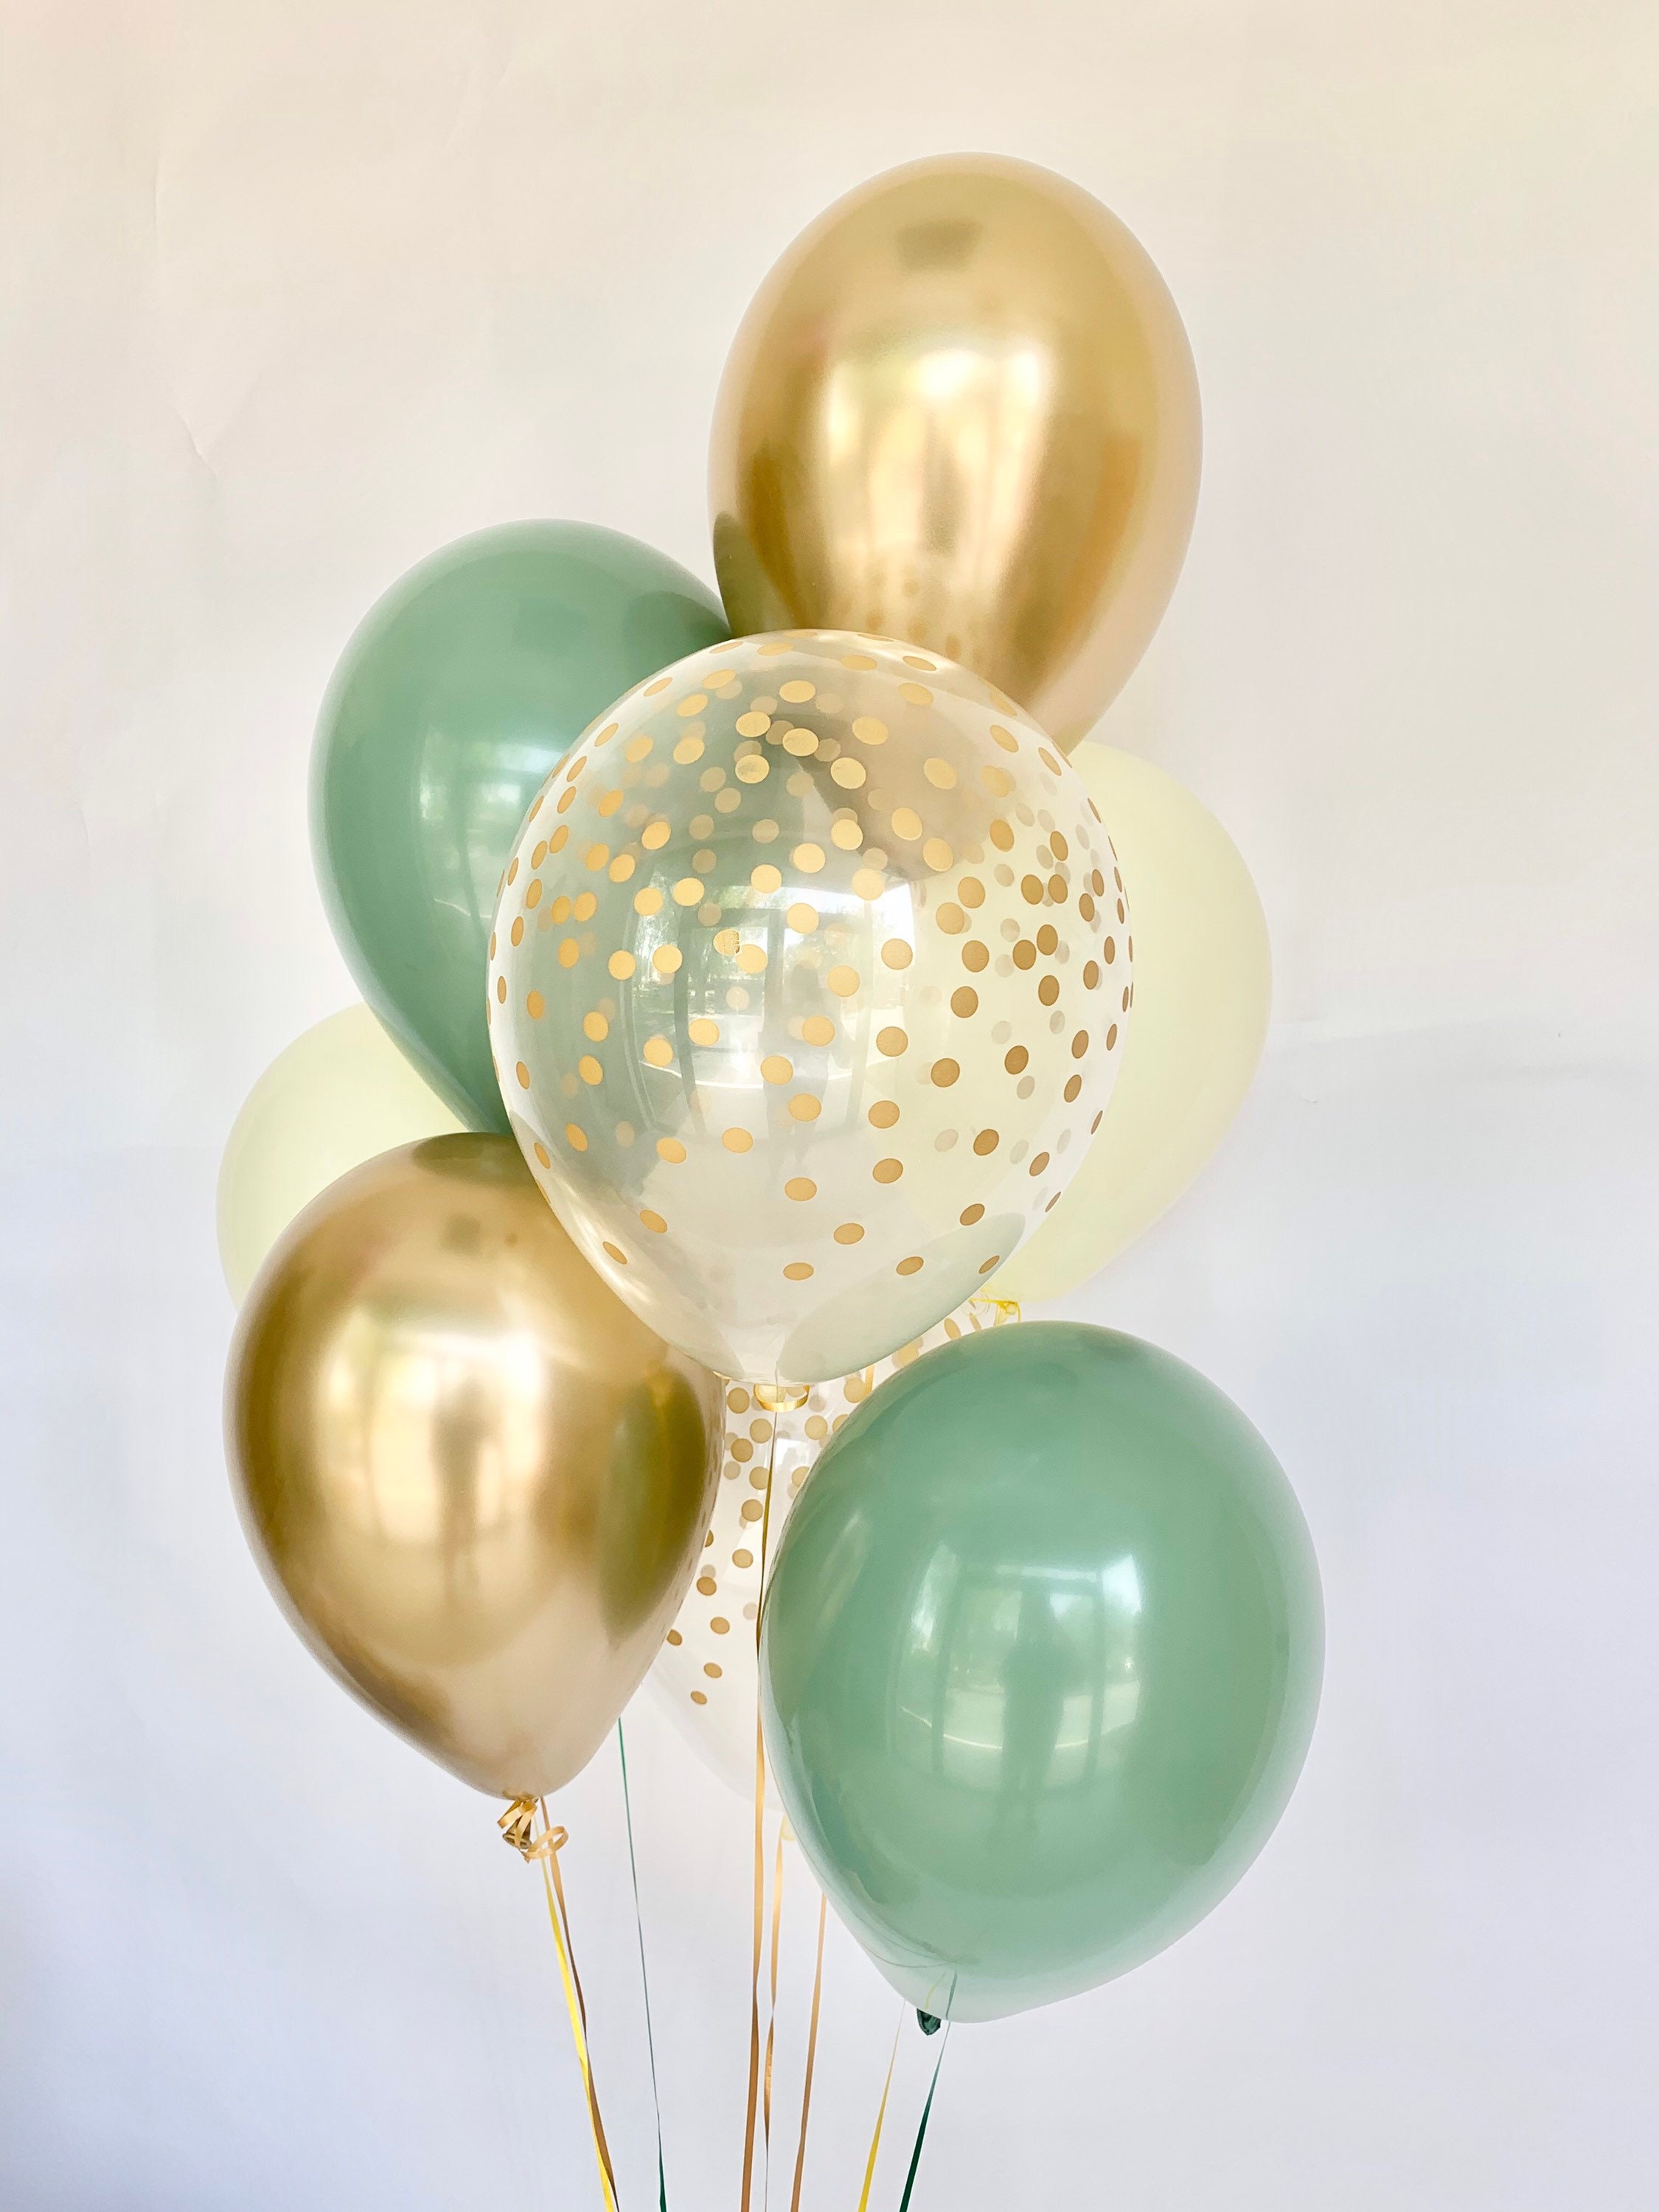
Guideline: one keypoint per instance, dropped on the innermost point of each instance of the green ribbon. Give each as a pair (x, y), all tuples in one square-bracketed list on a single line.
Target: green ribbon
[(921, 2131)]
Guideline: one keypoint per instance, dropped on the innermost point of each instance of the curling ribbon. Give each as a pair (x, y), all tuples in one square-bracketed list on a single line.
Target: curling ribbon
[(517, 1825), (926, 2110), (760, 1855), (645, 1979), (881, 2114), (812, 2058)]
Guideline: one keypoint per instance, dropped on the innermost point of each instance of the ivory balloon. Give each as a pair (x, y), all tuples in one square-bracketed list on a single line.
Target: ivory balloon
[(1203, 991), (705, 1673), (962, 409), (477, 1484), (807, 987), (333, 1099)]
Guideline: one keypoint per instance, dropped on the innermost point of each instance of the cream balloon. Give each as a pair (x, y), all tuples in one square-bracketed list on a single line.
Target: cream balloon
[(807, 988), (704, 1676), (1203, 988), (335, 1097)]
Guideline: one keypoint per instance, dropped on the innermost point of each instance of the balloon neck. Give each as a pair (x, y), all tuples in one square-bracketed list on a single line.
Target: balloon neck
[(781, 1397), (518, 1827), (928, 2022)]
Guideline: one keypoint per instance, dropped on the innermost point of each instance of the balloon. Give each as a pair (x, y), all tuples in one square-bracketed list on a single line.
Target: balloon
[(329, 1101), (808, 983), (478, 1486), (457, 695), (705, 1673), (1040, 1661), (962, 409), (1203, 991)]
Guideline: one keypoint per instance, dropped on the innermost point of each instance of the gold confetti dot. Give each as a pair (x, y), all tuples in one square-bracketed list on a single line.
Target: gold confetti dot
[(951, 919), (887, 1170), (1080, 1044), (576, 1137), (532, 898), (589, 1069), (802, 919), (615, 1252), (765, 879), (857, 660), (512, 871), (896, 953), (621, 867), (936, 854), (621, 965), (1002, 835), (849, 1232), (751, 958), (560, 910), (517, 931), (1024, 953), (819, 1029), (523, 1074), (843, 982), (569, 952), (906, 824), (869, 732), (1030, 889), (802, 1107), (945, 1073), (636, 750), (1073, 1085), (535, 1005), (847, 835), (699, 1698), (1047, 760), (703, 1031), (995, 1260), (720, 1625), (891, 1042), (1038, 1164), (711, 1670), (707, 1585), (800, 1188), (737, 1140), (500, 990), (884, 1113), (800, 742), (597, 855), (986, 1142), (1049, 990), (671, 1149), (658, 1051), (666, 959), (752, 767), (910, 1267), (964, 1002), (775, 1068), (753, 724), (743, 1556), (765, 830), (1111, 1036), (1006, 738), (655, 835), (939, 774), (654, 1222), (915, 694), (849, 773), (648, 901), (560, 838), (1016, 1058), (797, 691), (809, 858), (797, 1270), (689, 749), (868, 882), (970, 1214), (688, 890), (694, 705)]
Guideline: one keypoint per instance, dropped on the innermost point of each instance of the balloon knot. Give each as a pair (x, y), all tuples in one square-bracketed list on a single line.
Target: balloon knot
[(928, 2022), (518, 1827)]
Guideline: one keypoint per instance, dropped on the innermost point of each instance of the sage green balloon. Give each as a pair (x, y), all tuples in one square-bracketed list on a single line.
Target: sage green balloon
[(455, 699), (1040, 1661)]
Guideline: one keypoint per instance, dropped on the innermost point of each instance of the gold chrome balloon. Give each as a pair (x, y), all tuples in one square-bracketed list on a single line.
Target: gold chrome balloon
[(963, 410), (807, 987), (477, 1483)]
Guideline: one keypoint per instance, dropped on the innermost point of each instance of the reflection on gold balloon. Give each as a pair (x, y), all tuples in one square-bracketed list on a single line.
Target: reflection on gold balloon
[(475, 1481), (963, 410), (807, 987)]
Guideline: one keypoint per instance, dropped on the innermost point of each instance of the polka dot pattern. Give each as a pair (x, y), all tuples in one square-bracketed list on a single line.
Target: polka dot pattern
[(746, 973)]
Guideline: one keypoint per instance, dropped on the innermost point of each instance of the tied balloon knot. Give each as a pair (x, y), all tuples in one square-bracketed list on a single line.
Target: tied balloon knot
[(518, 1827), (781, 1397), (1007, 1311)]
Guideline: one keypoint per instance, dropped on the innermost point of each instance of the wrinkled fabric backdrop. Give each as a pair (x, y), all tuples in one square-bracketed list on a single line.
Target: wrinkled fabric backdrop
[(290, 295)]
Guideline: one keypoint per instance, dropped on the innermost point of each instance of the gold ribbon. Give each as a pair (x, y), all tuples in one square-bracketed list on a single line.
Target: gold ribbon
[(812, 2058), (881, 2114), (517, 1825), (778, 1400)]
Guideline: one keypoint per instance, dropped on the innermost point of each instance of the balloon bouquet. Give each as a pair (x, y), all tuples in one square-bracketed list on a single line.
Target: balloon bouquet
[(790, 997)]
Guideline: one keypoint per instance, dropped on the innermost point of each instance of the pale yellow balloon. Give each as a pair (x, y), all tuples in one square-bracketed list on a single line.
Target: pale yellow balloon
[(332, 1099), (1202, 992)]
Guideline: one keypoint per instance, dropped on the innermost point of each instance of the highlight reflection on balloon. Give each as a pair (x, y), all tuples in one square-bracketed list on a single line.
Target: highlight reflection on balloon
[(963, 410), (808, 984), (477, 1483)]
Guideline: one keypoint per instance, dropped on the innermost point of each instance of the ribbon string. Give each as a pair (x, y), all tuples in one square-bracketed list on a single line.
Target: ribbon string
[(645, 1978), (517, 1825), (881, 2115), (760, 1867), (921, 2130), (811, 2057)]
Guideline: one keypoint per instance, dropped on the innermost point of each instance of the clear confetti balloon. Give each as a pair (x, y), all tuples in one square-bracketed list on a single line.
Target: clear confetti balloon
[(705, 1673), (809, 980)]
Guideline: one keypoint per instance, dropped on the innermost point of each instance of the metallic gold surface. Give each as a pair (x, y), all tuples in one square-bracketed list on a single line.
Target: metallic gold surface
[(962, 412), (477, 1482)]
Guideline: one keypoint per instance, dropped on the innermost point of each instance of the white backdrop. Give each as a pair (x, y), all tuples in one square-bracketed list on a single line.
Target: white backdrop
[(291, 293)]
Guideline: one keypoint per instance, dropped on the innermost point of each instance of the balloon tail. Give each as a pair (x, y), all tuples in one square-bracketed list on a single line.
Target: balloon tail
[(811, 2057), (645, 1978), (517, 1825), (921, 2130), (881, 2115)]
